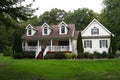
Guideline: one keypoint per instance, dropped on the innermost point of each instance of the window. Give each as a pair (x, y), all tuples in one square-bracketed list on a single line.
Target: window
[(45, 30), (94, 31), (103, 43), (62, 29), (29, 31), (87, 44)]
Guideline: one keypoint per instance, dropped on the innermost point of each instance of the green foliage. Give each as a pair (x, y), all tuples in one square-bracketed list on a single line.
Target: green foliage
[(52, 17), (74, 56), (81, 17), (17, 45), (59, 55), (97, 55), (7, 51), (117, 54), (112, 47), (79, 44), (68, 55), (49, 56), (21, 55), (104, 54)]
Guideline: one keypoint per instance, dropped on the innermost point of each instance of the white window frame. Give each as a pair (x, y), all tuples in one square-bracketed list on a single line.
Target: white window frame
[(94, 31), (87, 44), (103, 43), (45, 31)]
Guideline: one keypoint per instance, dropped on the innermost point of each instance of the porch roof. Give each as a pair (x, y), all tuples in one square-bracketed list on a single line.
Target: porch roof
[(54, 33)]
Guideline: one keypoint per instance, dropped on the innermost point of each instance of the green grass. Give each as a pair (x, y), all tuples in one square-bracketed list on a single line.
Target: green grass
[(31, 69)]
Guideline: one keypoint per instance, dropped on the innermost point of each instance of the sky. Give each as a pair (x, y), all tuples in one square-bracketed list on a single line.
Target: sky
[(67, 5)]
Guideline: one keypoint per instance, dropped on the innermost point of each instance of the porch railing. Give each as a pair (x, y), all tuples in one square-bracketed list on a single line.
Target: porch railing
[(58, 48), (30, 48)]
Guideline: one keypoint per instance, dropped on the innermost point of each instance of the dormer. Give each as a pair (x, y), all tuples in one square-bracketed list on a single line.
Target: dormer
[(30, 30), (46, 30), (63, 29)]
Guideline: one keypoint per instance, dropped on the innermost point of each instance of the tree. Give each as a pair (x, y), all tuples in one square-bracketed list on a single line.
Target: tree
[(79, 44), (13, 9), (112, 47), (52, 17), (17, 45), (81, 17), (110, 17)]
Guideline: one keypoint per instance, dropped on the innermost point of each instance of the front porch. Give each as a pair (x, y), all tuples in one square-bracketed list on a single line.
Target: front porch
[(44, 46)]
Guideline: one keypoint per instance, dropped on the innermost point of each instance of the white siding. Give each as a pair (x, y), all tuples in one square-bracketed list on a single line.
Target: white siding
[(96, 45), (102, 31)]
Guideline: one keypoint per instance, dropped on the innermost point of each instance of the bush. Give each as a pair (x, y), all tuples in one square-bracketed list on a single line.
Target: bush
[(49, 56), (29, 54), (110, 55), (59, 55), (7, 51), (97, 55), (18, 55), (74, 56), (21, 55), (68, 55), (90, 56), (104, 54), (117, 54)]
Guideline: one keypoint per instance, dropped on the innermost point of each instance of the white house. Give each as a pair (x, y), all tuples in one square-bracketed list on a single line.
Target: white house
[(47, 39), (95, 37)]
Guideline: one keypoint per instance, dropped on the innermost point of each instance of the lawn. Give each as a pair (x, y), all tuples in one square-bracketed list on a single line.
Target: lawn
[(32, 69)]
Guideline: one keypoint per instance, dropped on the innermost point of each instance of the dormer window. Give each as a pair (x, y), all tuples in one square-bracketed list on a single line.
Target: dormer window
[(94, 31), (45, 30), (29, 31), (63, 29)]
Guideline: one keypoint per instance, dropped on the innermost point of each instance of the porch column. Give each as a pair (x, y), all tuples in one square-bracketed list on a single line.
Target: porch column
[(38, 43), (51, 44), (26, 46), (70, 45)]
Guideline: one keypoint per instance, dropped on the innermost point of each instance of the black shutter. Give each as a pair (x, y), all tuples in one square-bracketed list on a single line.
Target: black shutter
[(106, 44), (92, 31), (84, 44), (90, 44), (97, 31), (100, 43)]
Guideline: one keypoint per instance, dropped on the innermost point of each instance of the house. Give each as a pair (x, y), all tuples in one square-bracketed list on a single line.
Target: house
[(50, 38), (96, 37), (63, 37)]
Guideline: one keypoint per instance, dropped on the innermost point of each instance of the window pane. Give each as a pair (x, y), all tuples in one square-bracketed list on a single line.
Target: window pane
[(62, 29)]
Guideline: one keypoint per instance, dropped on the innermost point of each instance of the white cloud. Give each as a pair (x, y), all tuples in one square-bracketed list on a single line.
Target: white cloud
[(67, 5)]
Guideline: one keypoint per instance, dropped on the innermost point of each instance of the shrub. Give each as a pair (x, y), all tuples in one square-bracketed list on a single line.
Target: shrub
[(104, 54), (110, 55), (7, 51), (27, 54), (97, 55), (18, 55), (85, 55), (80, 56), (68, 55), (74, 56), (59, 55), (117, 54), (49, 56), (90, 56)]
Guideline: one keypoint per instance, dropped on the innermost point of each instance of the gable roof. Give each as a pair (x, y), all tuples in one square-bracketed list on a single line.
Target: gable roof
[(94, 20), (54, 33)]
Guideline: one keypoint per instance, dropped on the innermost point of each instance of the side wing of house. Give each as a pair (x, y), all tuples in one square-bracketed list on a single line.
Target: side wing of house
[(96, 37)]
